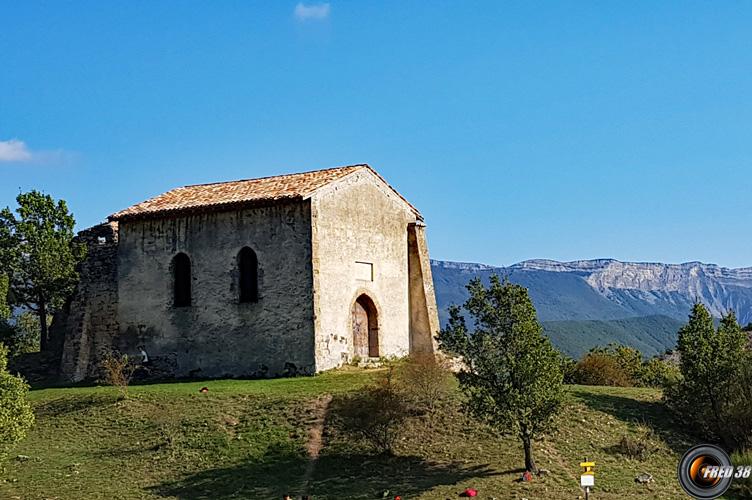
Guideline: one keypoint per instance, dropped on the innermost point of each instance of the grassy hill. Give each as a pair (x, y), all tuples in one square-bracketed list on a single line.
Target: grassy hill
[(248, 439)]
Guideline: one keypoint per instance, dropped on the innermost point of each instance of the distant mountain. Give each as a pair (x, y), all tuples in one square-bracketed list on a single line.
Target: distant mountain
[(593, 302)]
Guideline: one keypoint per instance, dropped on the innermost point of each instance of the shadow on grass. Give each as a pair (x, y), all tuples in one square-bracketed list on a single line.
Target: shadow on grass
[(71, 404), (653, 414), (335, 476)]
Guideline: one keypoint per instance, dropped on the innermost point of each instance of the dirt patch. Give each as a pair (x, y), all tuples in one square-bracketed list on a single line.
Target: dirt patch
[(317, 412)]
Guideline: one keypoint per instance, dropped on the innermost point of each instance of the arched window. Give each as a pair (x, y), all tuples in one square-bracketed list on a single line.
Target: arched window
[(248, 267), (181, 279)]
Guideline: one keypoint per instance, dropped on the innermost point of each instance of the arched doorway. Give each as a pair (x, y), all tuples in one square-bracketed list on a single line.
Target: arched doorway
[(365, 327)]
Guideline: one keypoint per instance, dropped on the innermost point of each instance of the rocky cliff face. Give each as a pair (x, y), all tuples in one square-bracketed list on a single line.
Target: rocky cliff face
[(661, 288)]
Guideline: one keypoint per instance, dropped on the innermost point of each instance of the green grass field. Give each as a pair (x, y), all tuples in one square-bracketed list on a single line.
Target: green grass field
[(247, 440)]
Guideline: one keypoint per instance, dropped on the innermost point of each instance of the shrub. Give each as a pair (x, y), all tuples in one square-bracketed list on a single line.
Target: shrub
[(658, 373), (637, 447), (623, 366), (633, 448), (118, 371), (598, 368), (375, 414), (425, 379), (16, 415)]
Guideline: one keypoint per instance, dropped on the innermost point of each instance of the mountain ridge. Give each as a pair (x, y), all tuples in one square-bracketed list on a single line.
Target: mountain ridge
[(606, 298), (531, 263)]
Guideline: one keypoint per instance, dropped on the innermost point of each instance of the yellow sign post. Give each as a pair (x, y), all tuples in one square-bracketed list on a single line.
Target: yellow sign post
[(587, 479)]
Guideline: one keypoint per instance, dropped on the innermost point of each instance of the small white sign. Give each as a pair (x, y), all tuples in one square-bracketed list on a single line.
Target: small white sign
[(363, 271), (587, 480)]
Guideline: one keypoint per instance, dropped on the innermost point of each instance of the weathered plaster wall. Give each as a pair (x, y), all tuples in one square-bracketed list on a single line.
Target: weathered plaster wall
[(359, 219), (217, 335), (88, 322), (424, 314)]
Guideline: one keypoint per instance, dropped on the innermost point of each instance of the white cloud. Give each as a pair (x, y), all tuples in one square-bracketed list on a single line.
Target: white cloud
[(14, 151), (305, 12)]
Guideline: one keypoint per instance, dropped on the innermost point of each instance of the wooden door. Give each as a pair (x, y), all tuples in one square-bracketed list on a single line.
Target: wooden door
[(360, 330)]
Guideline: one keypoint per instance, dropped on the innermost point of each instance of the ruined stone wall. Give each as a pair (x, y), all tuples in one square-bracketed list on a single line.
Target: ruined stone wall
[(424, 314), (218, 336), (359, 221), (88, 322)]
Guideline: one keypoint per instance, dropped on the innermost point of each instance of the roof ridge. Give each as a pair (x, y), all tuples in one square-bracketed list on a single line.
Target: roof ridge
[(273, 188), (277, 176)]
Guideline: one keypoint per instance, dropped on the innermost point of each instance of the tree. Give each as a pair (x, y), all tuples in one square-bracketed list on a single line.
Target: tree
[(657, 372), (711, 367), (38, 249), (16, 415), (512, 374), (4, 286), (629, 358), (26, 333)]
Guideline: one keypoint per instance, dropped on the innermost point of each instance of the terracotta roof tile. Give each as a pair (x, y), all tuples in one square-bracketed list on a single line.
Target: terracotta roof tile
[(219, 195)]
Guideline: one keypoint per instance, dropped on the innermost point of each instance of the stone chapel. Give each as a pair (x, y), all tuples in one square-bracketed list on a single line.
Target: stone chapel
[(284, 275)]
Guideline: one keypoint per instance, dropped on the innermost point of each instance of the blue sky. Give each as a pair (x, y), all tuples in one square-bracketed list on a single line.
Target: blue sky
[(561, 130)]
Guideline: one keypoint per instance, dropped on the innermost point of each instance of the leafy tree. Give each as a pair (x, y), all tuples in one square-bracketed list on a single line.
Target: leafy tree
[(23, 336), (657, 372), (38, 249), (630, 359), (512, 374), (6, 330), (16, 415), (4, 309), (26, 334), (711, 367), (741, 406)]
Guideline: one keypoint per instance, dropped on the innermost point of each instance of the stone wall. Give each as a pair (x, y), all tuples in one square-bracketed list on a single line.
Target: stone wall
[(424, 314), (88, 322), (218, 336), (356, 222)]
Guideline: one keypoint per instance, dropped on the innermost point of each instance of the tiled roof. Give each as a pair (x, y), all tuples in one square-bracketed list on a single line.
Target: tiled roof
[(222, 195)]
